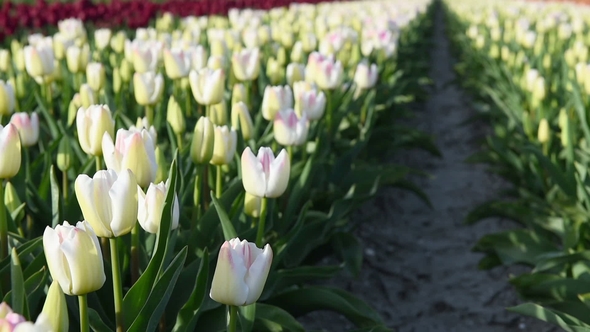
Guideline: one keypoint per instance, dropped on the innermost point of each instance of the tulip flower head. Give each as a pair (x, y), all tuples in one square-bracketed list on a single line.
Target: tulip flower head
[(240, 118), (92, 124), (365, 76), (198, 57), (7, 100), (148, 88), (134, 150), (224, 146), (241, 272), (177, 63), (108, 201), (246, 64), (264, 175), (28, 127), (74, 258), (10, 151), (312, 103), (276, 98), (95, 75), (143, 55), (39, 60), (77, 58), (289, 129), (207, 85), (151, 207), (203, 141), (102, 38), (329, 75)]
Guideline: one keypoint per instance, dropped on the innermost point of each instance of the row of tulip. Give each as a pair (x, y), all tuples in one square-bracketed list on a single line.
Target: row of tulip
[(532, 85), (282, 103)]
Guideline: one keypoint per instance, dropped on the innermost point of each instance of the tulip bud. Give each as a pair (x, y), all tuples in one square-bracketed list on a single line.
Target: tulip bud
[(5, 61), (92, 123), (329, 75), (198, 56), (295, 73), (55, 308), (309, 42), (134, 150), (544, 131), (87, 96), (224, 145), (18, 54), (218, 48), (263, 175), (240, 118), (95, 75), (117, 82), (216, 63), (75, 103), (276, 98), (151, 207), (312, 103), (118, 42), (74, 258), (246, 64), (365, 76), (77, 58), (177, 63), (252, 205), (174, 117), (125, 70), (144, 57), (102, 38), (12, 201), (64, 154), (218, 113), (289, 129), (241, 272), (207, 86), (564, 125), (238, 93), (10, 151), (148, 88), (203, 141), (39, 60), (7, 100), (297, 52), (274, 71), (28, 127), (281, 55)]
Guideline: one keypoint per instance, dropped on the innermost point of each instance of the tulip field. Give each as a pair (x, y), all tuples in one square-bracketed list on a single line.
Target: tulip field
[(184, 166)]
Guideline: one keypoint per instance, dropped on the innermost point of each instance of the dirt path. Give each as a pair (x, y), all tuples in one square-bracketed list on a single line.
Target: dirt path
[(419, 270)]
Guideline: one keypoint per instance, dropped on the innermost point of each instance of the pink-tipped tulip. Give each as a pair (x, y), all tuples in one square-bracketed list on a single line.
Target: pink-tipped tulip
[(246, 64), (276, 98), (28, 127), (312, 103), (241, 272), (10, 154), (289, 129), (365, 76), (263, 175)]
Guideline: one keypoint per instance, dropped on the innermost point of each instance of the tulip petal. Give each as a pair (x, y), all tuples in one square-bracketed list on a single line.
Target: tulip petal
[(109, 153), (123, 195), (253, 177), (84, 187), (55, 260), (228, 286), (258, 271), (278, 179)]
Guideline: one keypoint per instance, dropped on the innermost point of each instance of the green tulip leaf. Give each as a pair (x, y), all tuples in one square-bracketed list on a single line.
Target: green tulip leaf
[(55, 198), (188, 315), (229, 232), (247, 314), (18, 299), (35, 287), (274, 319), (96, 322), (347, 246), (563, 320), (24, 250)]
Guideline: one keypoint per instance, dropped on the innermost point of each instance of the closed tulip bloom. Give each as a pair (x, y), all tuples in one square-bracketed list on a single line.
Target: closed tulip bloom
[(74, 258), (77, 58), (39, 60), (218, 113), (250, 37), (108, 201), (216, 63), (7, 100), (309, 42), (87, 96), (289, 129), (102, 38), (297, 52), (10, 151), (132, 150), (263, 175), (274, 71), (5, 61), (207, 85), (151, 207), (198, 57), (92, 123), (238, 93), (329, 75), (28, 127), (276, 98), (177, 63), (312, 103), (544, 132), (203, 141), (295, 73), (55, 308), (148, 88), (143, 123), (118, 41), (174, 116), (144, 56), (241, 272), (224, 145), (365, 76), (252, 205), (240, 118), (246, 64), (95, 75)]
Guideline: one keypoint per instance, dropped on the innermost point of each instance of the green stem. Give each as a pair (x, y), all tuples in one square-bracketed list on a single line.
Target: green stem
[(179, 141), (135, 253), (198, 189), (117, 287), (233, 318), (98, 163), (187, 101), (290, 152), (149, 114), (83, 303), (329, 112), (208, 111), (49, 98), (218, 182), (261, 222), (248, 88), (64, 184), (3, 225)]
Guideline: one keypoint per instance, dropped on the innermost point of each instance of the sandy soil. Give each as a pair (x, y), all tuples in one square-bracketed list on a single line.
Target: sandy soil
[(419, 271)]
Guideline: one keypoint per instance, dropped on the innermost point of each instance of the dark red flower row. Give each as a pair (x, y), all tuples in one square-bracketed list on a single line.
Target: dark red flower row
[(131, 13)]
